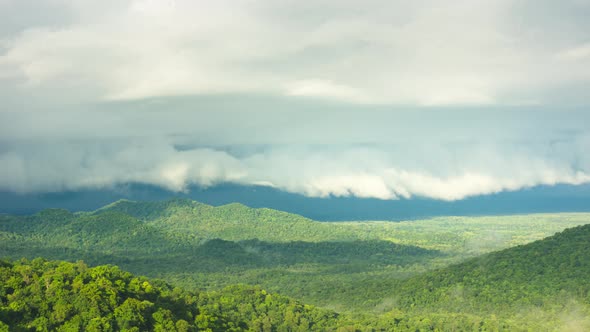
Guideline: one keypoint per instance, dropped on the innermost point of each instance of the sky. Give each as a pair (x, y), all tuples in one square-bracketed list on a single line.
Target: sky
[(372, 99)]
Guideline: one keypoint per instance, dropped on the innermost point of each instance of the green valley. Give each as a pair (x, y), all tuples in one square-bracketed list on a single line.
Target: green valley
[(374, 273)]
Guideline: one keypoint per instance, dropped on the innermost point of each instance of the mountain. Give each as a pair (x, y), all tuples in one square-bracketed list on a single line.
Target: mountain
[(541, 199), (401, 271), (105, 232), (549, 275), (41, 295), (197, 245), (150, 211), (231, 233), (235, 221), (51, 295)]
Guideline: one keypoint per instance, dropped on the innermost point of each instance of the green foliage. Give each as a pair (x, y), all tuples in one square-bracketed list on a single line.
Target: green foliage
[(196, 221), (367, 268), (45, 295), (50, 295), (553, 271)]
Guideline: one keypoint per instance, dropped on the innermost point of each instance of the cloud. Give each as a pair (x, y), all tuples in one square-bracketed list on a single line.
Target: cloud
[(325, 89), (385, 99), (392, 52), (368, 172), (315, 149), (578, 52)]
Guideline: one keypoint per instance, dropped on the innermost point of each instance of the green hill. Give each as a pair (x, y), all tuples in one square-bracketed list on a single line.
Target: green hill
[(546, 277), (221, 246), (58, 296), (345, 266), (178, 207), (196, 221), (229, 234), (41, 295), (107, 232)]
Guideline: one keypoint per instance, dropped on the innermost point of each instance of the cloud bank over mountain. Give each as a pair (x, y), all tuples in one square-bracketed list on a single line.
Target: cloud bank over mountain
[(419, 164), (385, 99), (359, 172)]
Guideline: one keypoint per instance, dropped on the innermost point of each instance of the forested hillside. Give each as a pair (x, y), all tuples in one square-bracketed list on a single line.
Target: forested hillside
[(48, 295), (548, 277), (42, 295), (348, 266), (373, 268), (191, 220), (312, 254)]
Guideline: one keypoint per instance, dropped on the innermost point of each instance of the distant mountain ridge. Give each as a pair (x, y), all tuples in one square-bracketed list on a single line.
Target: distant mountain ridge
[(194, 220), (152, 210), (217, 236), (542, 199)]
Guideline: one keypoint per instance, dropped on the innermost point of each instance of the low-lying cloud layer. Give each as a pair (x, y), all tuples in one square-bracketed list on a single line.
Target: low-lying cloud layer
[(451, 173)]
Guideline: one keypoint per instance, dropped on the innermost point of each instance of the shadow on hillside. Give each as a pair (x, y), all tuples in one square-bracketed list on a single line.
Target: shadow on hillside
[(218, 255)]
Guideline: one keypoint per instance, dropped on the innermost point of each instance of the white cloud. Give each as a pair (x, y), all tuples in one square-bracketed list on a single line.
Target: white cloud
[(578, 52), (368, 172), (326, 89), (467, 52), (267, 74)]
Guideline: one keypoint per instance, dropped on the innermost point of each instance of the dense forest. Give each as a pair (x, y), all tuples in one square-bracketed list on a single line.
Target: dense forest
[(42, 295), (441, 273), (546, 281), (523, 275), (50, 295)]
